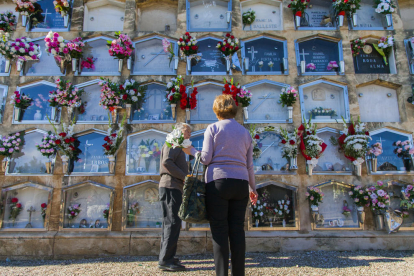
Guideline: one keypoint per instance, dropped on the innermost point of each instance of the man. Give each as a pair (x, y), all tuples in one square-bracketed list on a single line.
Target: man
[(173, 169)]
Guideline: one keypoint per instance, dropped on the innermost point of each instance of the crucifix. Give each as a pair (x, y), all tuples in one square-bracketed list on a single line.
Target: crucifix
[(380, 141), (45, 13), (31, 210), (252, 52), (265, 97), (162, 53), (303, 54), (86, 150)]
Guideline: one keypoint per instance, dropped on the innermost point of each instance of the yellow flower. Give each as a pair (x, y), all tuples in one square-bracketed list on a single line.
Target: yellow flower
[(150, 152), (156, 144), (143, 155)]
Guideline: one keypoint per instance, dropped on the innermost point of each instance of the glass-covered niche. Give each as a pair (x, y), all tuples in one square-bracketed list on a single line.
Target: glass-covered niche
[(388, 162), (331, 210), (104, 64), (409, 46), (150, 58), (142, 208), (92, 160), (368, 19), (265, 107), (29, 161), (47, 18), (104, 15), (369, 61), (211, 62), (324, 101), (209, 16), (143, 152), (317, 55), (318, 16), (90, 112), (45, 66), (373, 99), (270, 160), (264, 55), (207, 92), (268, 15), (33, 202), (157, 16), (3, 100), (280, 211), (154, 109), (395, 192), (87, 205), (332, 160), (39, 109)]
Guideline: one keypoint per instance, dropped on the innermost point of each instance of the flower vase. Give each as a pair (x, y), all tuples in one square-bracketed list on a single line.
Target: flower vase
[(17, 113), (147, 164), (297, 20), (114, 115), (374, 165), (176, 63), (65, 162), (187, 114), (74, 65), (24, 20), (8, 63), (4, 163), (284, 223), (120, 64), (408, 163), (13, 221), (341, 67), (228, 63), (246, 113), (48, 167), (303, 67), (388, 18), (379, 222), (129, 63), (355, 19), (61, 63), (290, 112), (361, 214), (315, 213), (37, 116), (157, 164), (257, 223), (66, 20), (309, 168), (358, 169), (173, 110), (189, 64), (111, 164), (293, 163), (340, 20), (128, 108), (19, 65), (70, 112)]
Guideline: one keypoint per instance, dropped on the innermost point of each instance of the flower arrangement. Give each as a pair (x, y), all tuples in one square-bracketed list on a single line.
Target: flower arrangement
[(298, 7), (255, 134), (75, 47), (66, 143), (43, 208), (384, 6), (25, 7), (48, 147), (114, 139), (375, 150), (360, 196), (8, 21), (11, 144), (314, 195), (121, 47), (176, 139), (15, 209), (244, 97), (408, 195), (20, 100), (73, 211), (110, 98), (342, 6), (88, 63), (357, 45), (189, 101), (311, 66), (403, 149), (288, 96), (259, 210), (231, 89), (332, 65), (132, 92), (290, 143), (66, 94), (55, 44), (248, 17), (311, 145), (6, 49), (379, 198), (187, 44), (320, 111), (175, 90), (24, 49), (229, 46), (62, 7), (282, 208), (168, 48), (106, 212), (384, 47)]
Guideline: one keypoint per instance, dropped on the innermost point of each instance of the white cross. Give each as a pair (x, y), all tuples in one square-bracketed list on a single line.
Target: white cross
[(252, 52), (46, 13), (158, 94), (304, 54), (264, 97), (155, 55), (198, 147)]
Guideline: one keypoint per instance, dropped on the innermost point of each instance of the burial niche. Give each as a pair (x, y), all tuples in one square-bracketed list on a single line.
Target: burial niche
[(209, 16), (369, 61), (47, 18), (207, 92), (212, 61), (154, 16), (268, 15), (104, 16)]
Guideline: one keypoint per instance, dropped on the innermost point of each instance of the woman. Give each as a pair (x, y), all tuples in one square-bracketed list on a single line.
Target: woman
[(228, 153)]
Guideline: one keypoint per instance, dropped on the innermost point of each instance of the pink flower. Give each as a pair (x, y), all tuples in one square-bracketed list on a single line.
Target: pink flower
[(379, 183), (311, 198), (398, 143)]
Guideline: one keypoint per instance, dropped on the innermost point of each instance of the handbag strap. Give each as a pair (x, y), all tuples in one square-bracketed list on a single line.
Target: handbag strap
[(196, 165)]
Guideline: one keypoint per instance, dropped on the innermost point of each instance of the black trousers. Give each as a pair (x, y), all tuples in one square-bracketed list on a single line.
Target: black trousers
[(171, 224), (226, 202)]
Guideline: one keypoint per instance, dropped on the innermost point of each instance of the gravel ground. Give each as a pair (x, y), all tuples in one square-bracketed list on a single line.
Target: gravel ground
[(290, 263)]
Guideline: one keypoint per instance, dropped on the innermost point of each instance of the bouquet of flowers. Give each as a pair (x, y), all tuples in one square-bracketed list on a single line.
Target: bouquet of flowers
[(298, 7), (403, 149), (43, 208), (168, 48), (282, 208), (311, 66), (176, 139), (175, 90), (110, 98), (342, 6), (311, 145), (75, 47), (73, 211), (231, 89), (48, 147), (132, 92), (375, 150), (15, 208), (62, 7), (121, 47), (188, 47), (290, 143), (65, 95), (320, 111), (114, 139), (66, 143), (314, 195), (255, 134), (408, 195), (106, 212), (332, 65), (384, 6), (20, 100), (354, 141), (55, 44), (244, 97), (6, 50), (360, 196), (384, 47), (88, 63), (25, 7), (8, 21), (24, 49), (11, 144), (357, 45), (288, 96), (189, 101), (379, 198), (259, 210), (248, 17), (229, 46)]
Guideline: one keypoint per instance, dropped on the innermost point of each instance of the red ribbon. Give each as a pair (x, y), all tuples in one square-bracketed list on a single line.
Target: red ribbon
[(302, 146)]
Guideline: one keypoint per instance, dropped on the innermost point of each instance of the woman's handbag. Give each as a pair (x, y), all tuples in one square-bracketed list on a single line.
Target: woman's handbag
[(193, 207)]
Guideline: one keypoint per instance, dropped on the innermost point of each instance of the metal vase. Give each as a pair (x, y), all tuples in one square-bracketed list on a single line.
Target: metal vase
[(358, 169), (61, 63), (111, 164), (361, 214), (173, 110), (187, 114), (297, 20), (315, 213), (309, 168), (65, 163), (228, 16), (48, 167), (246, 64), (293, 163), (8, 63), (189, 64), (285, 64), (66, 20), (128, 108), (24, 20), (74, 65), (176, 59), (340, 20), (19, 65), (129, 63), (17, 112), (120, 64), (302, 66), (342, 67), (388, 18), (4, 164), (290, 111), (374, 163), (354, 19), (228, 65), (379, 222), (246, 113)]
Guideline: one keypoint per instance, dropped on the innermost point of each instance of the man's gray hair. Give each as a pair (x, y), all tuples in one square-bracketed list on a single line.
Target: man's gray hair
[(182, 126)]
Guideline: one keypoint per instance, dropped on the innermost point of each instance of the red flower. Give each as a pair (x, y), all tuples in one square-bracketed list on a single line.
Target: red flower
[(113, 134), (44, 205), (228, 35), (14, 200), (231, 47), (187, 33), (107, 147), (106, 138), (72, 148), (187, 48), (194, 47), (72, 139), (291, 142), (57, 142), (366, 133), (182, 48), (63, 134), (236, 48), (67, 140), (181, 39), (283, 141), (256, 136), (232, 37), (125, 96), (307, 132), (18, 205), (17, 100), (223, 49), (121, 87), (289, 5)]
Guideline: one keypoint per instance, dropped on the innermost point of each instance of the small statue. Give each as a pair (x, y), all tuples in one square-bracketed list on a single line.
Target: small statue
[(97, 223), (82, 224)]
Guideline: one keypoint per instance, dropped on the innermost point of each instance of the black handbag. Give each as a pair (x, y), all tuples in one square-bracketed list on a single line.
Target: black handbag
[(193, 207)]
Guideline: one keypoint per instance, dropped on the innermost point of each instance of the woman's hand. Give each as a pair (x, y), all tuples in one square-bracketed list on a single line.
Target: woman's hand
[(187, 150), (253, 197)]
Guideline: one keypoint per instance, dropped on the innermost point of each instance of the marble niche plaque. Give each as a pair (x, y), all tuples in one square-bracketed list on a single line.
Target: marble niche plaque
[(212, 61), (270, 160), (374, 99), (104, 16), (157, 18), (90, 111), (260, 53), (205, 99), (331, 209), (150, 58), (368, 19), (268, 15), (92, 159), (369, 61), (319, 15), (210, 15), (47, 18)]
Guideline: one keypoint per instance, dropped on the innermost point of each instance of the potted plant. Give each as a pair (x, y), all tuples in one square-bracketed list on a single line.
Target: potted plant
[(282, 210), (379, 202), (189, 101), (56, 45), (288, 97), (384, 47), (228, 48), (361, 199), (244, 97), (75, 47), (175, 91), (315, 196), (112, 143), (72, 212), (120, 48), (342, 7), (408, 197), (6, 52), (357, 45), (132, 92), (63, 7), (8, 22), (405, 151), (48, 149), (373, 152)]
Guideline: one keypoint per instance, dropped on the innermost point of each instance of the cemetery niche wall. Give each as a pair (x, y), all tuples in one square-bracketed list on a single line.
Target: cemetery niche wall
[(264, 55), (3, 100), (324, 101), (47, 18), (207, 92), (209, 16), (143, 152), (26, 207), (319, 16), (87, 205), (265, 107), (396, 192), (269, 15), (374, 99), (409, 46), (368, 19), (104, 15), (319, 55), (157, 16), (212, 61), (141, 206)]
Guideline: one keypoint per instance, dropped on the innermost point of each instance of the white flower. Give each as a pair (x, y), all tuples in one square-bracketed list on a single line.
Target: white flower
[(21, 50), (261, 214), (186, 143), (53, 51), (134, 98), (169, 85), (62, 45), (60, 39)]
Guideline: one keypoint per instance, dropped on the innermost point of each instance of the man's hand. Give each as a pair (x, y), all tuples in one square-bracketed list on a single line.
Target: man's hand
[(187, 150)]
